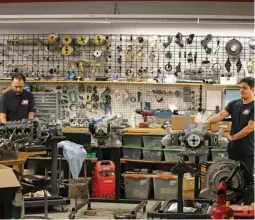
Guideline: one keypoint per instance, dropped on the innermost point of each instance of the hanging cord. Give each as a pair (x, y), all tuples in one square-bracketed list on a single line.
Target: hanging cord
[(116, 8)]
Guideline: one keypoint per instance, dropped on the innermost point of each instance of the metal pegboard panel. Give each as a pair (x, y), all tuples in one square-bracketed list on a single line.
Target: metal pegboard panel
[(130, 56), (47, 104), (82, 101)]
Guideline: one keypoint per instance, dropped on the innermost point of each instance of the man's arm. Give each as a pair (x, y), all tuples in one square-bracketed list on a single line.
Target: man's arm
[(244, 132), (218, 117), (31, 115), (31, 107), (3, 109), (3, 117)]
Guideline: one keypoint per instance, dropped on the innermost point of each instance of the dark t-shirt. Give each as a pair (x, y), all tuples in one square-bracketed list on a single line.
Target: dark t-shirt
[(17, 107), (241, 114)]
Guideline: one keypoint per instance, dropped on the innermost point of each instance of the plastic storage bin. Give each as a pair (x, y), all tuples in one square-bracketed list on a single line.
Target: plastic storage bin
[(219, 154), (137, 186), (165, 186), (152, 142), (172, 154), (132, 140), (132, 152), (154, 154), (202, 158)]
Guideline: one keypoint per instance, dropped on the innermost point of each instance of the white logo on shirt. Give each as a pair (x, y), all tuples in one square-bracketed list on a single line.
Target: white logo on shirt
[(25, 102)]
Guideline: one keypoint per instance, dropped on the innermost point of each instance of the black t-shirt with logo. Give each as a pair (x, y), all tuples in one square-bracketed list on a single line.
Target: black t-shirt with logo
[(241, 114), (17, 107)]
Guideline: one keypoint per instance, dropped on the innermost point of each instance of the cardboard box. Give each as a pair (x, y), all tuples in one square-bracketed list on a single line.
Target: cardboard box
[(79, 191), (178, 122), (216, 126), (188, 183), (8, 178), (188, 194), (9, 185)]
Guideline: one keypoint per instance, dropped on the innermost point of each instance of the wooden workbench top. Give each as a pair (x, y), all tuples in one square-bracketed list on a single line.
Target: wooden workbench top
[(128, 131)]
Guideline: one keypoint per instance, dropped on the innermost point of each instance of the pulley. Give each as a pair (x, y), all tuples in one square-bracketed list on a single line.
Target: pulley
[(234, 47), (97, 53), (220, 171), (52, 38), (67, 40), (67, 50), (82, 40), (99, 39)]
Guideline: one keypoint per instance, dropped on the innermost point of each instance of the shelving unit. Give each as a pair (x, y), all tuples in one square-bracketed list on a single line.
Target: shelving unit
[(121, 82)]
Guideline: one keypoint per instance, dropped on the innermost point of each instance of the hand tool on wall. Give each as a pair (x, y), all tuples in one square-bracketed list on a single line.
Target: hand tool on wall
[(204, 44), (239, 65), (169, 41), (178, 40), (189, 40)]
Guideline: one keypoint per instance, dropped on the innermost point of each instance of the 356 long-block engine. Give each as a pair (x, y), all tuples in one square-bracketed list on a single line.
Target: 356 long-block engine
[(15, 134)]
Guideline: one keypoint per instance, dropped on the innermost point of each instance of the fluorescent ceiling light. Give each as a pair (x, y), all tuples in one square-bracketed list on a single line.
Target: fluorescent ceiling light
[(127, 19)]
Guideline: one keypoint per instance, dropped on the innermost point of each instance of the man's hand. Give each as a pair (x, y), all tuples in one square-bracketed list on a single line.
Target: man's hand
[(230, 138)]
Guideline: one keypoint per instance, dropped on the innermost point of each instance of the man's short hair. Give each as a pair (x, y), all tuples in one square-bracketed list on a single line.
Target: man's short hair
[(19, 76), (249, 81)]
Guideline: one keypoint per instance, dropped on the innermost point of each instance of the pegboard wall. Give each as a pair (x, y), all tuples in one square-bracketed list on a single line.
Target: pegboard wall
[(80, 101), (134, 57)]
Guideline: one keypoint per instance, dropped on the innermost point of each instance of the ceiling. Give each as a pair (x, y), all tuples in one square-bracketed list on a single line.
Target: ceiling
[(24, 1)]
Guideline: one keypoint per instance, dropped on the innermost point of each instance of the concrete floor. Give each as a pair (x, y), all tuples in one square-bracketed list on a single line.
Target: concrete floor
[(104, 211)]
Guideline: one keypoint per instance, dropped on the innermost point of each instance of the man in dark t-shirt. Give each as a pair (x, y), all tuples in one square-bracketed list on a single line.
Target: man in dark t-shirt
[(241, 145), (17, 103)]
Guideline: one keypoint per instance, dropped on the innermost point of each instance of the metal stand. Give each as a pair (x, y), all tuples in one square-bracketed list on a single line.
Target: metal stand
[(54, 200), (161, 211), (141, 204)]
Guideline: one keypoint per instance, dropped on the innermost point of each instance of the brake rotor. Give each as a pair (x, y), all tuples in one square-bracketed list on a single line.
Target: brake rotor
[(52, 38), (82, 40), (220, 171), (234, 47)]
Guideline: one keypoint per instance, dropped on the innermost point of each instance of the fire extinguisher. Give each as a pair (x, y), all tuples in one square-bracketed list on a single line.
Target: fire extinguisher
[(221, 211)]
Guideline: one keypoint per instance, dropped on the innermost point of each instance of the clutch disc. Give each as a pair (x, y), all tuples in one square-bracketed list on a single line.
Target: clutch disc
[(234, 47), (221, 171)]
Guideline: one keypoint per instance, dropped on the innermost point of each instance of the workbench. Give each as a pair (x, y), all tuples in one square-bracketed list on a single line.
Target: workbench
[(17, 165)]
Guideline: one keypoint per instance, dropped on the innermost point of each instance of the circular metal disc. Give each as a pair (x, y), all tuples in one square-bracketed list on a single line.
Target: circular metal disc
[(194, 140), (234, 47), (220, 171)]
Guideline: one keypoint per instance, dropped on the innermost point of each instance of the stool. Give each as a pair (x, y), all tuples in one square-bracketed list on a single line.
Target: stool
[(37, 182)]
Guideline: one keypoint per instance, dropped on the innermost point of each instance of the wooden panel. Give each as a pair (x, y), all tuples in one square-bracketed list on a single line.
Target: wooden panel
[(23, 1)]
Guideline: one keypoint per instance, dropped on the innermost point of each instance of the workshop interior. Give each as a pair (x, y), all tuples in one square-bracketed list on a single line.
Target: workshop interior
[(123, 92)]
